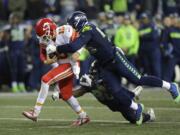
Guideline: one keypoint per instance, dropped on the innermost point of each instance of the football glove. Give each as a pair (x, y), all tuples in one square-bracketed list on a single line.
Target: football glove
[(50, 49), (86, 80)]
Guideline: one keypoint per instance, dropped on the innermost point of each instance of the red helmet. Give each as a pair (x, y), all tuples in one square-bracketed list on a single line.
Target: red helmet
[(45, 29)]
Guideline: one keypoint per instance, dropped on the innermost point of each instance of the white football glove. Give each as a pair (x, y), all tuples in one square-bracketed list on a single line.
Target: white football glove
[(75, 68), (51, 48), (86, 80)]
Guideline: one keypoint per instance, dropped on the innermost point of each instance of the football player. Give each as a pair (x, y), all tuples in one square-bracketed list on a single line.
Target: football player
[(63, 74), (113, 63), (92, 83)]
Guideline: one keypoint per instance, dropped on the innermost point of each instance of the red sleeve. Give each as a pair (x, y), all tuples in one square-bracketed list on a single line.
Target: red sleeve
[(43, 55)]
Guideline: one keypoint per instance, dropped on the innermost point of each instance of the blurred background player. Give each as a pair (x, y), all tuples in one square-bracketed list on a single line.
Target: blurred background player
[(127, 38), (16, 43), (170, 42), (63, 74), (149, 50)]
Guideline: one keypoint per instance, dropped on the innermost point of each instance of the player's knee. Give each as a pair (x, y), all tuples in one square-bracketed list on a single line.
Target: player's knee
[(66, 96), (45, 79)]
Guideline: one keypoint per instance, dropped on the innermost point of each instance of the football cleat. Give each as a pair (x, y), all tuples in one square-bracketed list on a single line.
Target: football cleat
[(150, 111), (30, 115), (139, 116), (174, 90), (81, 121)]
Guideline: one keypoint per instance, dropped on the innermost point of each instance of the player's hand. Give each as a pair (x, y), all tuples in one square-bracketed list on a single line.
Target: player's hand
[(86, 80), (75, 56), (51, 60), (54, 58), (50, 49)]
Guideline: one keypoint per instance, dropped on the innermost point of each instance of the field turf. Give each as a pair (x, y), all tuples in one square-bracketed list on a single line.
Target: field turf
[(57, 116)]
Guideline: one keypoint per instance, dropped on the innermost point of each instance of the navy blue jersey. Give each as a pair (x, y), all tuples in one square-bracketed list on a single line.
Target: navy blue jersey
[(175, 40), (148, 37), (95, 41), (172, 36)]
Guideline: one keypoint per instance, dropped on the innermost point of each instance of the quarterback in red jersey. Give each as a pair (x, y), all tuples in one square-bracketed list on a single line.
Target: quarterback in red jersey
[(63, 74)]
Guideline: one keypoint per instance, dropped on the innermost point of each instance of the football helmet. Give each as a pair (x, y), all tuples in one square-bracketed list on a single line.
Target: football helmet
[(45, 30), (77, 20)]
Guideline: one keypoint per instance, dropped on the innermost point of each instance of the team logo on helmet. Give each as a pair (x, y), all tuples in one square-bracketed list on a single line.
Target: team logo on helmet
[(46, 28)]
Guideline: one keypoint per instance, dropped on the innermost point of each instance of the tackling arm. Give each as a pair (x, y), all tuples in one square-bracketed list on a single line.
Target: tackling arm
[(80, 55), (75, 45)]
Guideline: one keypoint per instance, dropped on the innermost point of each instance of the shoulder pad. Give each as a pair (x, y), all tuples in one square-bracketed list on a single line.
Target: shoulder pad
[(86, 28)]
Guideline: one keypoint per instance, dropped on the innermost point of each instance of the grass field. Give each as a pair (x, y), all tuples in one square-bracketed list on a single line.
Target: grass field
[(57, 116)]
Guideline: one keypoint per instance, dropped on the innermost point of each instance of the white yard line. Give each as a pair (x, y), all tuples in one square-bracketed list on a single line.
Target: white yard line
[(95, 121), (87, 107)]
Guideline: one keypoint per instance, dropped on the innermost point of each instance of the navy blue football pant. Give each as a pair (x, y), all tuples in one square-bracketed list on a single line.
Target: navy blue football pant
[(17, 63), (37, 72), (151, 61), (130, 114), (168, 68), (120, 66), (85, 65), (113, 85)]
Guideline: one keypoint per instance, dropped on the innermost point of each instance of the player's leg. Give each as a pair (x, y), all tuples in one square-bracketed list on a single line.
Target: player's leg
[(130, 116), (128, 113), (21, 72), (14, 70), (124, 68), (145, 63), (66, 86), (49, 78), (168, 69), (112, 84), (155, 62)]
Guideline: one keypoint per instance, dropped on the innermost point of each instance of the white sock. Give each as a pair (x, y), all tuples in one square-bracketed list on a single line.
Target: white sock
[(72, 101), (21, 84), (41, 97), (166, 85), (14, 84), (134, 105)]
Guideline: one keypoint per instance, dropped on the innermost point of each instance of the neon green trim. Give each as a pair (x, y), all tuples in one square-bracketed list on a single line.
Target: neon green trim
[(86, 28), (128, 66), (175, 35), (145, 31)]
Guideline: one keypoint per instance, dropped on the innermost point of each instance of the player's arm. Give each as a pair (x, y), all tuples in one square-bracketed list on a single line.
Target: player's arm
[(118, 39), (80, 55), (135, 43), (149, 33), (80, 92), (75, 45)]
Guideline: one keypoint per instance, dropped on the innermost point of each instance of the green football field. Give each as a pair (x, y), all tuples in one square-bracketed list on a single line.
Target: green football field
[(56, 117)]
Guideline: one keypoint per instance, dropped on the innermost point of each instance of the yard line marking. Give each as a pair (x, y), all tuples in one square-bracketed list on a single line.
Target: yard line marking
[(87, 107), (95, 121)]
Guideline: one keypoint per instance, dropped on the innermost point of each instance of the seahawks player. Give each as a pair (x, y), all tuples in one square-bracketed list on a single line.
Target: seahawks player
[(93, 84), (112, 62)]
